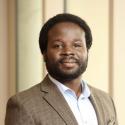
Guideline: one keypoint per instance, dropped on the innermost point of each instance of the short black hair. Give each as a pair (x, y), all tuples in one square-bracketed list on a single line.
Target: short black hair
[(64, 17)]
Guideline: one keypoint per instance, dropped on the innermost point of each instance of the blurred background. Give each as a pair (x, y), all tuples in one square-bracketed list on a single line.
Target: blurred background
[(21, 63)]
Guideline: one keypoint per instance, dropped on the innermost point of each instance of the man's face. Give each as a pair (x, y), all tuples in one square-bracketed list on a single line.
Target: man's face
[(66, 56)]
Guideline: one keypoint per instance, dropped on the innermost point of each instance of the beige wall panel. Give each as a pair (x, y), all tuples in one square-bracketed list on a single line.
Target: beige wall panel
[(53, 7), (4, 78), (119, 59), (96, 15), (12, 46), (29, 59)]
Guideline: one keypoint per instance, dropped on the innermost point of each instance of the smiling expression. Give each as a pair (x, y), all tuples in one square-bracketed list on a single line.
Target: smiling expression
[(66, 56)]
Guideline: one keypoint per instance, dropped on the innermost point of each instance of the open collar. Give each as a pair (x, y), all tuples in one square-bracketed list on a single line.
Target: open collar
[(54, 97)]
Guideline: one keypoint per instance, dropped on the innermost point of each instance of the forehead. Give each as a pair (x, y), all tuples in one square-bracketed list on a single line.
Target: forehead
[(64, 26)]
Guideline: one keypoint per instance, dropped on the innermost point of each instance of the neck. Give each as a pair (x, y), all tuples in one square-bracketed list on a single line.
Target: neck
[(75, 85)]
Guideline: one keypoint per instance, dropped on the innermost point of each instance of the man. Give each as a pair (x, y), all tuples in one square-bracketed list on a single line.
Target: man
[(63, 98)]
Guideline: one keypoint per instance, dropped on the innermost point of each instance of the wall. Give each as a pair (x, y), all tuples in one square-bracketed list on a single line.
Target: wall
[(4, 78), (29, 59), (119, 58), (20, 58)]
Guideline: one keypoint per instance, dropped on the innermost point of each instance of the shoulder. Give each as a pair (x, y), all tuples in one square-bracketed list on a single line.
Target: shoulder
[(103, 99), (21, 106), (105, 103), (98, 92), (26, 97), (32, 95)]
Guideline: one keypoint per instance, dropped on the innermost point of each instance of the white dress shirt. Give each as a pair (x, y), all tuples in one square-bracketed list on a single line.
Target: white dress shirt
[(81, 107)]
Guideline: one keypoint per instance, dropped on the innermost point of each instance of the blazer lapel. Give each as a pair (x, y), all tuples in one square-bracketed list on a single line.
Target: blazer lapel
[(56, 100), (98, 108)]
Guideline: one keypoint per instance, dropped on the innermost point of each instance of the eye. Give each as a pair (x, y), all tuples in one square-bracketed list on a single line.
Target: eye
[(58, 46), (77, 45)]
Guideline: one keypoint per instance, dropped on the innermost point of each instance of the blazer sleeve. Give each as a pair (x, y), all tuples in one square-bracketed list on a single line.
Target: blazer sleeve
[(16, 114)]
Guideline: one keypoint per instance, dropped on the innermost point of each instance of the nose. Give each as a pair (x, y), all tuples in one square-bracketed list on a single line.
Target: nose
[(68, 51)]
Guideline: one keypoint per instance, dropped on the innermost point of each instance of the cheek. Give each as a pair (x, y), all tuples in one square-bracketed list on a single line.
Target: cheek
[(52, 57), (83, 56), (82, 53)]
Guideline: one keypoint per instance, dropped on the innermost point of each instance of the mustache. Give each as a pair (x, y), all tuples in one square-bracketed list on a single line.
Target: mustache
[(71, 59)]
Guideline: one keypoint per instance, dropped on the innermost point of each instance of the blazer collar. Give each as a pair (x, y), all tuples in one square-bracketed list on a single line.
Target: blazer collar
[(53, 96), (95, 100)]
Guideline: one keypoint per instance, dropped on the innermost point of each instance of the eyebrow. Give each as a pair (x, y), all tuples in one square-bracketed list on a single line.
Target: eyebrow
[(77, 40)]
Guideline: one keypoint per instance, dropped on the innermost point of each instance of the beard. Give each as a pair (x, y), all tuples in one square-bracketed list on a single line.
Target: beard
[(62, 75)]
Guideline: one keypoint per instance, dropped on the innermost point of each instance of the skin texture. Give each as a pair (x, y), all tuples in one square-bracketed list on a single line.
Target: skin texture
[(66, 56)]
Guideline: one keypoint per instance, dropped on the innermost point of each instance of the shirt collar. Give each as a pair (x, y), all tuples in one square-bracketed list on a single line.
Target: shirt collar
[(85, 89)]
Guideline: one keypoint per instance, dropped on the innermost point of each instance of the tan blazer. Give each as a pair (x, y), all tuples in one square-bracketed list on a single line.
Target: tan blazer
[(43, 104)]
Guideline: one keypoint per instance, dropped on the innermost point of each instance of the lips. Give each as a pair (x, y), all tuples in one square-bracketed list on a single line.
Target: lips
[(68, 60), (68, 63)]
